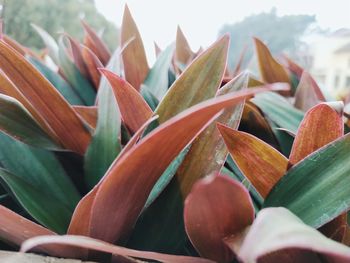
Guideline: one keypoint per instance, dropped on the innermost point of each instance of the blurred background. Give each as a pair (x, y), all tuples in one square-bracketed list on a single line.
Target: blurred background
[(316, 34)]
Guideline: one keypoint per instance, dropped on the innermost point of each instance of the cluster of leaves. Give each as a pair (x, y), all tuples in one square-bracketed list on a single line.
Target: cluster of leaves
[(108, 159)]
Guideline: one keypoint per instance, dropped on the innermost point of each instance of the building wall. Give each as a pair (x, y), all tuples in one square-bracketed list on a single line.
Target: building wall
[(331, 69)]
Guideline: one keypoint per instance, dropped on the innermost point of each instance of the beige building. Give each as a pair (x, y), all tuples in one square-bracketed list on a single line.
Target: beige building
[(330, 61)]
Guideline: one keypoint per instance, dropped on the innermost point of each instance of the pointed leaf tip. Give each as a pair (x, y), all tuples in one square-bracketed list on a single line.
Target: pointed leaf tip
[(260, 163)]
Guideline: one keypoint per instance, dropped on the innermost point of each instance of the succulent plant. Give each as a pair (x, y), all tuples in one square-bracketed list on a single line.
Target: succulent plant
[(104, 158)]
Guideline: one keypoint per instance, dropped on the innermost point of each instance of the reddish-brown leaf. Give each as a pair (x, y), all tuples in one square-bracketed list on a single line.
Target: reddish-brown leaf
[(95, 43), (47, 101), (133, 108), (8, 88), (15, 229), (260, 163), (83, 209), (278, 236), (183, 52), (217, 207), (77, 56), (271, 71), (98, 245), (125, 188), (93, 64), (293, 67), (134, 56), (308, 93), (320, 126), (14, 44), (208, 152), (88, 114)]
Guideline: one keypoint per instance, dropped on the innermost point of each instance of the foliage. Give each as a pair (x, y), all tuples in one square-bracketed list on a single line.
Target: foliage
[(108, 159)]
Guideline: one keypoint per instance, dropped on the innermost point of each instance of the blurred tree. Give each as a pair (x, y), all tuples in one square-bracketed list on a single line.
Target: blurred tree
[(280, 33), (54, 16)]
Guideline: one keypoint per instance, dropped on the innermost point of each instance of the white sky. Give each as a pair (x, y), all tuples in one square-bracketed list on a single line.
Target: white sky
[(201, 20)]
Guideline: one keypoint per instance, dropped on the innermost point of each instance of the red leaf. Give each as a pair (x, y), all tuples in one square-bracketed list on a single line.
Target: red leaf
[(320, 126), (93, 244), (308, 94), (217, 207), (94, 42), (133, 108), (134, 56), (77, 56), (46, 100), (15, 229), (125, 187), (93, 64), (88, 114)]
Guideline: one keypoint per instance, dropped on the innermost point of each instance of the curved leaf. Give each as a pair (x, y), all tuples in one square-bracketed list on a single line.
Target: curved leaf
[(93, 244), (49, 41), (130, 181), (39, 204), (46, 100), (208, 223), (276, 231), (15, 229), (321, 125), (40, 168)]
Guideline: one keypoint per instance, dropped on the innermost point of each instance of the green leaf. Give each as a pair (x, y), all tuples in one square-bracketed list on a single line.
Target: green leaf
[(166, 177), (279, 110), (105, 144), (157, 79), (316, 189), (206, 156), (199, 82), (58, 82), (151, 100), (49, 41), (80, 84), (43, 207), (39, 167), (17, 122)]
